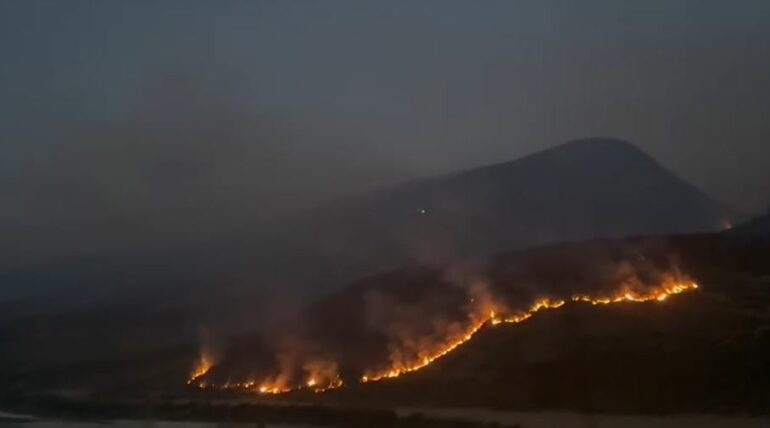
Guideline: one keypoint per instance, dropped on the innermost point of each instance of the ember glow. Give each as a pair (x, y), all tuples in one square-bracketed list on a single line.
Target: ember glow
[(659, 294), (727, 224), (271, 387), (428, 357), (323, 376), (201, 369)]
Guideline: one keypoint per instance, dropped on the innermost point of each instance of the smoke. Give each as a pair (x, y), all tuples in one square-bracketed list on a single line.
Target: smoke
[(548, 275), (304, 361), (209, 349), (471, 277), (440, 315), (406, 327), (184, 132), (189, 162), (399, 322)]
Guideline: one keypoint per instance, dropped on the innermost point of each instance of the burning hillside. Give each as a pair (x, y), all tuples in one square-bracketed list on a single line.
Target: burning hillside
[(396, 330), (582, 342), (493, 318)]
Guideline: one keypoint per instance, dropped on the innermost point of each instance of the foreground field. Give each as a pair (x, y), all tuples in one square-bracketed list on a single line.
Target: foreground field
[(578, 420), (451, 417)]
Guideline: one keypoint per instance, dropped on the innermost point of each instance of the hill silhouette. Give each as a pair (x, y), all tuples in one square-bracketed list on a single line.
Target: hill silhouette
[(584, 189)]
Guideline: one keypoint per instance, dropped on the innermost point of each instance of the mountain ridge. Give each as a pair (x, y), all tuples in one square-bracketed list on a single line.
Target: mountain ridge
[(556, 195), (584, 189)]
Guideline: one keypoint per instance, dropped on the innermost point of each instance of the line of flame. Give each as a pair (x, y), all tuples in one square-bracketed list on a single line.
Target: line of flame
[(272, 387), (204, 366), (659, 294)]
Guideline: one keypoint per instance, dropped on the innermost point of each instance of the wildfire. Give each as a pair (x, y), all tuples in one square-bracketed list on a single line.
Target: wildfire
[(625, 295), (272, 387), (659, 294), (451, 345), (425, 360), (324, 377), (267, 389), (204, 365)]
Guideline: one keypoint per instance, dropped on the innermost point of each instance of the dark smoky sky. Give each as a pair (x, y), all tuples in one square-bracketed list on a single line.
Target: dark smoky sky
[(153, 124)]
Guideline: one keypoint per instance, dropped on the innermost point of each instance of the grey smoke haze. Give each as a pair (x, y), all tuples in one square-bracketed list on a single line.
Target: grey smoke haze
[(136, 125)]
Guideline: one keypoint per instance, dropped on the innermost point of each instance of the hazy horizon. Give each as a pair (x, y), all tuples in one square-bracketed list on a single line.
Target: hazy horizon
[(158, 124)]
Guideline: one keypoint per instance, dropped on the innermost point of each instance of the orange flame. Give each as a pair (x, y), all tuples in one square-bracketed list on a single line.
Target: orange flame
[(324, 377), (425, 360), (201, 369), (659, 294)]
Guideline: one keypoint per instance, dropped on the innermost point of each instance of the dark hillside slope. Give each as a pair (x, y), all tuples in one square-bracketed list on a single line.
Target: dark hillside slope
[(757, 229), (584, 189), (705, 351)]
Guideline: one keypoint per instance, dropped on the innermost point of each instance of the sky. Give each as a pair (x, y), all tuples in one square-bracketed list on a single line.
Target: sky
[(148, 124)]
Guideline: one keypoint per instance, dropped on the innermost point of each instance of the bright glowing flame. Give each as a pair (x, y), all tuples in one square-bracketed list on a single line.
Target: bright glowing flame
[(316, 383), (271, 389), (204, 365), (657, 294), (323, 376), (660, 294), (425, 360)]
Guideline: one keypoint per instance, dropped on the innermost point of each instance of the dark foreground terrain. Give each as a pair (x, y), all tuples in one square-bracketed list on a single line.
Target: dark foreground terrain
[(249, 414)]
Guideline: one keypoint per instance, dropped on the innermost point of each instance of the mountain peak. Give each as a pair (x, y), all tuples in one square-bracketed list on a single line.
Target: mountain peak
[(602, 148), (588, 188), (600, 143)]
